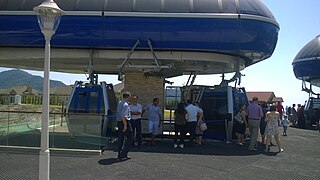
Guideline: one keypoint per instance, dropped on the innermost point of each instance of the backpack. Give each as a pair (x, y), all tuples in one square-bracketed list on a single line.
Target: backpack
[(238, 118)]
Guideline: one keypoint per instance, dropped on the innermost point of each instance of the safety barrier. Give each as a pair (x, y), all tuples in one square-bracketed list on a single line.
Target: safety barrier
[(21, 128)]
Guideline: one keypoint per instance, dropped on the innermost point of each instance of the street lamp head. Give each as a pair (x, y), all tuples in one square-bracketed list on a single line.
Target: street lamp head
[(49, 15)]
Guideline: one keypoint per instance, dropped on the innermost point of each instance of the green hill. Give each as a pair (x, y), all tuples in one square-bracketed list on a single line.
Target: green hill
[(14, 78)]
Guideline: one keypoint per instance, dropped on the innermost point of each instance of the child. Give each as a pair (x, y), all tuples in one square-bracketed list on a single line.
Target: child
[(285, 124)]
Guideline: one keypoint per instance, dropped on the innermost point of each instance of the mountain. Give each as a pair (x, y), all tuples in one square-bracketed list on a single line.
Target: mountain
[(14, 78)]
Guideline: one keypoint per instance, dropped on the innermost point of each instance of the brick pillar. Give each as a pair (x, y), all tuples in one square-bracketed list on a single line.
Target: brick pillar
[(146, 88)]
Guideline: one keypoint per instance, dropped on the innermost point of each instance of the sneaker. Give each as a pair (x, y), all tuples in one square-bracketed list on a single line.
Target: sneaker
[(181, 146), (175, 145), (280, 150), (123, 158), (253, 149), (267, 149)]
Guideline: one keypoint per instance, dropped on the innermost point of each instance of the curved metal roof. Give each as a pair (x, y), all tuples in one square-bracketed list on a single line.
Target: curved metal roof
[(250, 7), (306, 64), (310, 51)]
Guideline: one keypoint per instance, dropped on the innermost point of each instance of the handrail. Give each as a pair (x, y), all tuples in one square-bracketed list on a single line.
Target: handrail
[(64, 113), (168, 124)]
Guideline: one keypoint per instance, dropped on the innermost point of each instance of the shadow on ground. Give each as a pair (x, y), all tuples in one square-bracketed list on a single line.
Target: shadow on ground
[(209, 148)]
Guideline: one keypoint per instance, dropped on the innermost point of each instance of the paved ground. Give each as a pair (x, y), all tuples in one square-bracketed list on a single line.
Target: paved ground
[(214, 160)]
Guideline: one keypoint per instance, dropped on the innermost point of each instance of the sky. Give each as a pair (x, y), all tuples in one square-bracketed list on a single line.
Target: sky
[(299, 24)]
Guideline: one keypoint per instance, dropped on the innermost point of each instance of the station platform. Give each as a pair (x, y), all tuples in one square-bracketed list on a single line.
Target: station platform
[(212, 160)]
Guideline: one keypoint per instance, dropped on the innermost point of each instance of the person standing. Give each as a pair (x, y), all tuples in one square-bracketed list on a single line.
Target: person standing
[(136, 111), (179, 125), (294, 115), (280, 109), (265, 109), (242, 125), (199, 132), (272, 118), (289, 114), (289, 111), (254, 112), (193, 113), (124, 127), (285, 124), (154, 117), (300, 116)]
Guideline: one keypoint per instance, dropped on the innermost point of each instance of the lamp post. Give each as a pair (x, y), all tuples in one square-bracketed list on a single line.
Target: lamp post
[(49, 15)]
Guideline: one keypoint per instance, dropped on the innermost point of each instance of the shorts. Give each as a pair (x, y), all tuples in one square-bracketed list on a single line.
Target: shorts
[(154, 127)]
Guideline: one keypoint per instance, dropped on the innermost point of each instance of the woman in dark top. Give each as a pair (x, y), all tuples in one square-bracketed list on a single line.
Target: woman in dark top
[(241, 126), (180, 115), (263, 123)]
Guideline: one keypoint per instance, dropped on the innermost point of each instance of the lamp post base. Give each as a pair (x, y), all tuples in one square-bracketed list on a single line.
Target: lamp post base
[(44, 165)]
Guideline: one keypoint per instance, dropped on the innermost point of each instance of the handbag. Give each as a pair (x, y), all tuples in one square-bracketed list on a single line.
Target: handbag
[(238, 118), (203, 126)]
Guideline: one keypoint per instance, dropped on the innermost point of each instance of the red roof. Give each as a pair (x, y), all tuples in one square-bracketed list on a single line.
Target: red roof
[(262, 96), (277, 99)]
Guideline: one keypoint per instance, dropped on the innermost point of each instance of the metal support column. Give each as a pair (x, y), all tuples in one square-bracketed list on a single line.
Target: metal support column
[(120, 75)]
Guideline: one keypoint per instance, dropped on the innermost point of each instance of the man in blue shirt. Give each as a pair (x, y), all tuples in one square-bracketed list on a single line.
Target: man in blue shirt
[(125, 137), (254, 112)]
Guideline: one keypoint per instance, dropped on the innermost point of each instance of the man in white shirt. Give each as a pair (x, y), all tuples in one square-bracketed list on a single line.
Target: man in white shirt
[(193, 112), (154, 118), (136, 111)]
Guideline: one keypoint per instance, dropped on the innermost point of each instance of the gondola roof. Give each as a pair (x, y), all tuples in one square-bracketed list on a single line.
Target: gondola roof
[(250, 7), (310, 51)]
